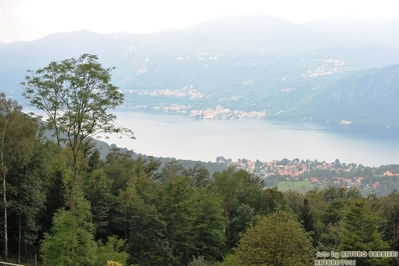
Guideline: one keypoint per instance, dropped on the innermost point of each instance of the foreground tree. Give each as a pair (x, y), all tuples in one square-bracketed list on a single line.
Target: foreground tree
[(63, 246), (76, 96), (277, 239)]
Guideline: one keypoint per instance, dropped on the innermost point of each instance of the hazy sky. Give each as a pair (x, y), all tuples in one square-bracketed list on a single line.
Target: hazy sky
[(32, 19)]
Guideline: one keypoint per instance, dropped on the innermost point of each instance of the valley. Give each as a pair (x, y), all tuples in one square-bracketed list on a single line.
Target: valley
[(239, 67)]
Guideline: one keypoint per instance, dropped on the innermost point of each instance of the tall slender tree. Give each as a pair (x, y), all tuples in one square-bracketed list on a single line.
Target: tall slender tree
[(306, 218), (76, 96), (17, 142), (26, 199)]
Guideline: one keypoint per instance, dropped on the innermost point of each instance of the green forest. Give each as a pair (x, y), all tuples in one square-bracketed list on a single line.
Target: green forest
[(65, 205)]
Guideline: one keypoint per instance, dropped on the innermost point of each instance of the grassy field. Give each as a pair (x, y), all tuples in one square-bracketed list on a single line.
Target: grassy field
[(300, 186)]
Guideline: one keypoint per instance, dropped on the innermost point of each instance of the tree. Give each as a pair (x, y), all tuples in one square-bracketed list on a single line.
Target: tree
[(76, 96), (337, 164), (307, 220), (228, 185), (277, 239), (194, 220), (17, 143), (388, 208), (171, 169), (294, 200), (130, 185), (66, 247), (335, 211), (360, 232), (271, 200), (200, 174), (113, 250), (27, 197), (128, 200), (97, 188), (240, 220), (119, 168), (209, 240), (147, 243), (52, 186), (177, 208)]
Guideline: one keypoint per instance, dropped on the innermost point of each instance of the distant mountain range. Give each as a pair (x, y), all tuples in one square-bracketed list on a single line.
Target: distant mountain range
[(244, 66)]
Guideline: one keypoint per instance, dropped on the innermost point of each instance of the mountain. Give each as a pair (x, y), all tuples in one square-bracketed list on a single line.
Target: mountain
[(369, 42), (243, 64), (366, 97)]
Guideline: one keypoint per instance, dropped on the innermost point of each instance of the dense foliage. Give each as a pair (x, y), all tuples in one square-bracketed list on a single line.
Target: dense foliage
[(163, 216)]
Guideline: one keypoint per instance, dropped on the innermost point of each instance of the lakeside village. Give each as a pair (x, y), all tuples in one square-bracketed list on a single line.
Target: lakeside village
[(379, 180)]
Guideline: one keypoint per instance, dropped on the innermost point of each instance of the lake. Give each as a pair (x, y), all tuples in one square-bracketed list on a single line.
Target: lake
[(186, 138)]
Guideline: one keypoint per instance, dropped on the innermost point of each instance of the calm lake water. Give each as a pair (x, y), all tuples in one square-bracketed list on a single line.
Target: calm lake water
[(185, 138)]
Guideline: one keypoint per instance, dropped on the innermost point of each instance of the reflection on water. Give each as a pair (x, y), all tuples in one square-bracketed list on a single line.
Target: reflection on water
[(186, 138)]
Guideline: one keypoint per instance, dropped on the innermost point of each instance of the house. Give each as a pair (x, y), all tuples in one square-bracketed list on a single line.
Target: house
[(376, 185), (314, 180)]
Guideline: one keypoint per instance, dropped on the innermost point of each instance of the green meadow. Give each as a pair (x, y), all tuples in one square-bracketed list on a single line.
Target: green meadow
[(300, 186)]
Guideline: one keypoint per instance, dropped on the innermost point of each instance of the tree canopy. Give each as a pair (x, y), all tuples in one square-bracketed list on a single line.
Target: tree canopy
[(76, 95), (277, 239)]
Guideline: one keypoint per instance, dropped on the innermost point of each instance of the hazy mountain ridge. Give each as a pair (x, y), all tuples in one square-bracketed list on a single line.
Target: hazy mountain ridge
[(367, 97), (250, 63)]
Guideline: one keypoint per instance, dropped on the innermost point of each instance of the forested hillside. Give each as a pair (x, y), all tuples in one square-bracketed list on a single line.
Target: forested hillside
[(132, 211), (365, 97)]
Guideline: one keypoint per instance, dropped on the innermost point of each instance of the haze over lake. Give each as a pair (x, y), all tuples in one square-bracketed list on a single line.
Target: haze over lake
[(185, 138)]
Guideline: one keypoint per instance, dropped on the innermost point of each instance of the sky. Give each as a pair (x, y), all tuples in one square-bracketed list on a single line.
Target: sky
[(29, 20)]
